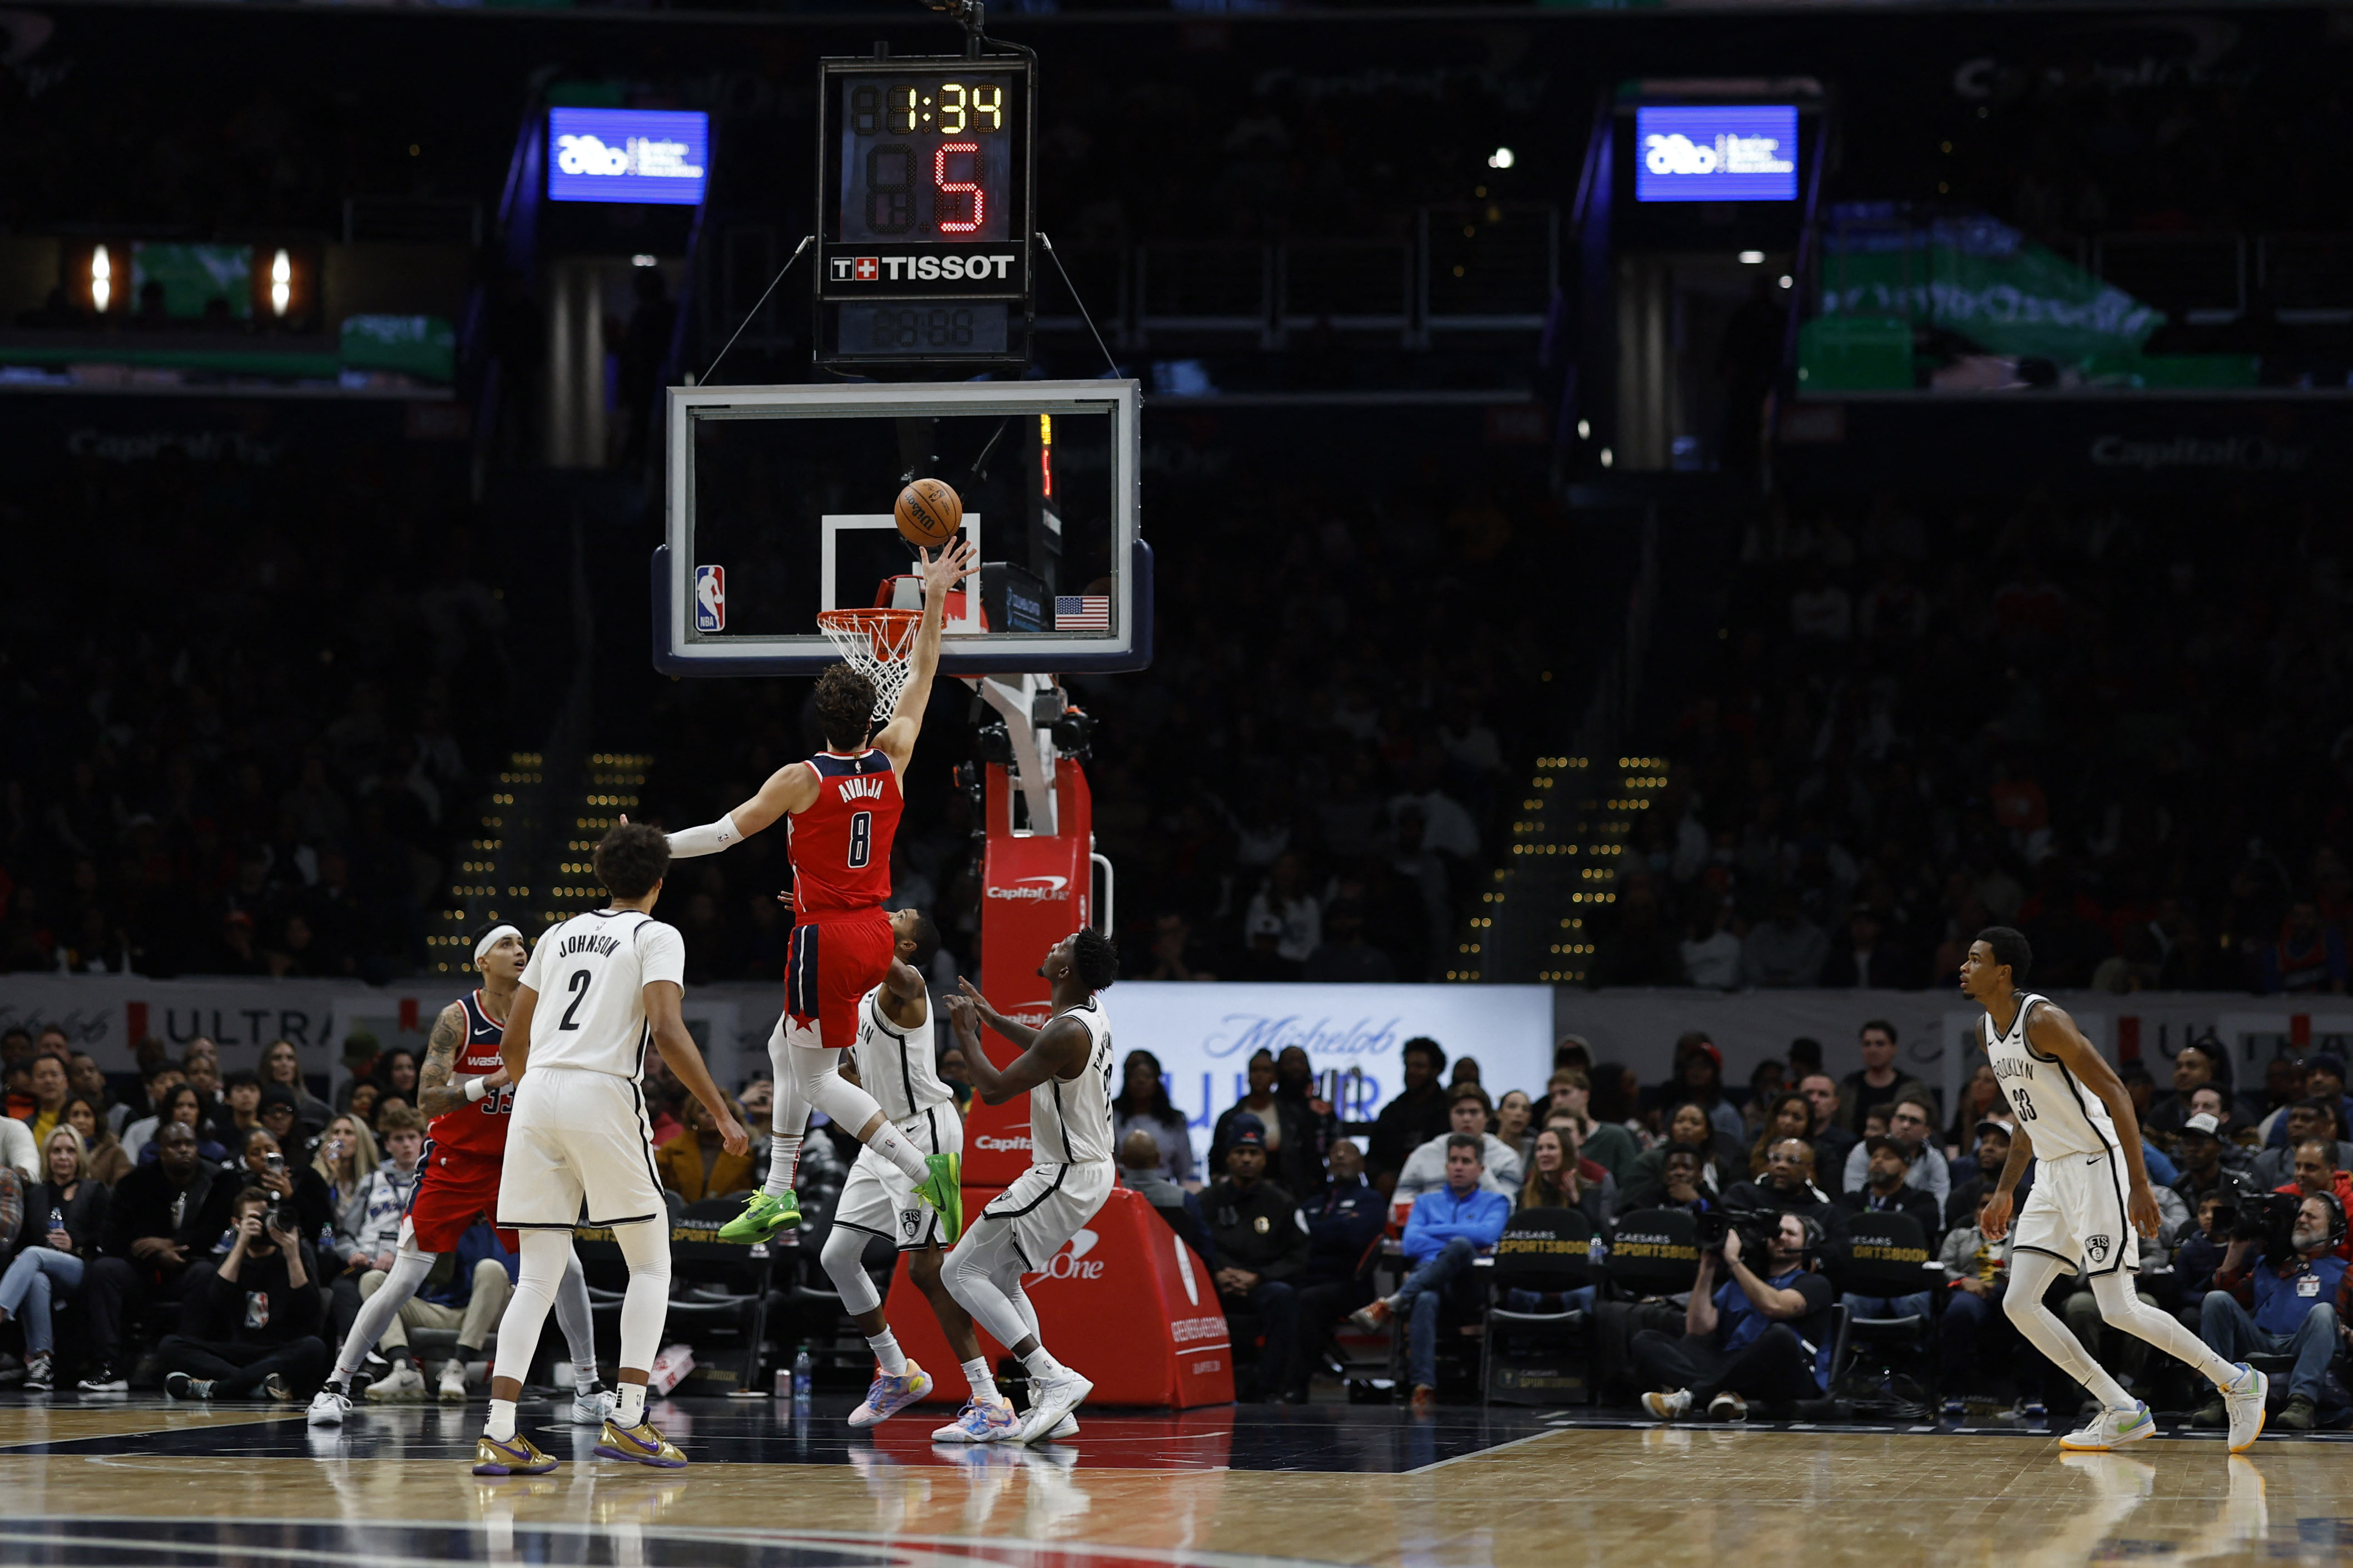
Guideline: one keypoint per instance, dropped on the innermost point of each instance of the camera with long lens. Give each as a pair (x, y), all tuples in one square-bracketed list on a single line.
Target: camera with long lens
[(2267, 1217), (1758, 1229)]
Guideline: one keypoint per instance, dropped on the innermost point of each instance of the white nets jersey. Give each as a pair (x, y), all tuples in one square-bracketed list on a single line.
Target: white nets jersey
[(2053, 1107), (896, 1065), (1070, 1123), (590, 973)]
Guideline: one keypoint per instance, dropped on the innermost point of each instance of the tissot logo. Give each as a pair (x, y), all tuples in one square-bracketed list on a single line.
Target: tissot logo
[(855, 269)]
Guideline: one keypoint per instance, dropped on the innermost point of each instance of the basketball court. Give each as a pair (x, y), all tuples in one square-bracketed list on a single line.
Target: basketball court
[(142, 1481)]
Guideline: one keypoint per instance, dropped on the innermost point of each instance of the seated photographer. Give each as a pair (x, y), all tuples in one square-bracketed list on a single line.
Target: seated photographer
[(1446, 1229), (1787, 1184), (266, 1295), (2281, 1264), (1262, 1243), (1763, 1336), (2316, 1171), (1909, 1123)]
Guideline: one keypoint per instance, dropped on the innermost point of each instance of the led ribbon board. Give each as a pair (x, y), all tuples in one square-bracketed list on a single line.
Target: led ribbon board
[(645, 155), (1743, 152)]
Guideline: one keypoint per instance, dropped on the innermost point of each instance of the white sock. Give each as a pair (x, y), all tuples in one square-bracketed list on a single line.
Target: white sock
[(887, 1353), (629, 1404), (892, 1145), (984, 1383), (2242, 1378), (1042, 1364), (500, 1427), (784, 1160), (583, 1380)]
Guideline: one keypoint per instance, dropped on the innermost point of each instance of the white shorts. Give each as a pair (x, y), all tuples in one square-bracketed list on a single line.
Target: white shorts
[(879, 1200), (2076, 1213), (1045, 1206), (579, 1137)]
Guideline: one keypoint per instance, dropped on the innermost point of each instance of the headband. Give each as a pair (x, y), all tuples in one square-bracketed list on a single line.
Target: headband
[(491, 939)]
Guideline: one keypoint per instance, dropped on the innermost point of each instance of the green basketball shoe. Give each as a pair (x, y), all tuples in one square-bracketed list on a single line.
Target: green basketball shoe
[(944, 1191), (765, 1216)]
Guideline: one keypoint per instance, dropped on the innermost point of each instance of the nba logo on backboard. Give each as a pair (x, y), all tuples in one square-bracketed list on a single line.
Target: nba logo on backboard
[(711, 598)]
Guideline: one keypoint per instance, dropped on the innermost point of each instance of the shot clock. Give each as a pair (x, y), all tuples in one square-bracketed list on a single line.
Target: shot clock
[(924, 177)]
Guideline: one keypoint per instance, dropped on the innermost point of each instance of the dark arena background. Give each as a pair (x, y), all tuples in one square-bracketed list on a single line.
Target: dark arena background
[(1697, 654)]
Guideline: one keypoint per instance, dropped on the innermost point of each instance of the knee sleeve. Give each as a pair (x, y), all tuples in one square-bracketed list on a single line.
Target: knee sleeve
[(972, 1277), (575, 1318), (379, 1308), (644, 1306), (824, 1088), (544, 1254), (844, 1258)]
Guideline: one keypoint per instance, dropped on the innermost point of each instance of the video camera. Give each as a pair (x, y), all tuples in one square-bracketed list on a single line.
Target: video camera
[(1759, 1229), (2266, 1218)]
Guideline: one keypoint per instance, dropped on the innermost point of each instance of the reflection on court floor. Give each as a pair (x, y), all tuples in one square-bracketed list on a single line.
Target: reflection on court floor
[(139, 1483)]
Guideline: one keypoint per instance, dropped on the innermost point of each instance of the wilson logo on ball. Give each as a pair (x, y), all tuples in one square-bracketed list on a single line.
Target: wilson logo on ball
[(929, 513)]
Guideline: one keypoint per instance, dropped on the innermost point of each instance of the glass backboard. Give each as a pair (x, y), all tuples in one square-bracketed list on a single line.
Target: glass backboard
[(779, 504)]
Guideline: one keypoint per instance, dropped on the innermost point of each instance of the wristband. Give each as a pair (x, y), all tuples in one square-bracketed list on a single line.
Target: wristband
[(476, 1086)]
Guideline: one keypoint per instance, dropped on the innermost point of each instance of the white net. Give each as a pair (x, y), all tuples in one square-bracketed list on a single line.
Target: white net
[(875, 643)]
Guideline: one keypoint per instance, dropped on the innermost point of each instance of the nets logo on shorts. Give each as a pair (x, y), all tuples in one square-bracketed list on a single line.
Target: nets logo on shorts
[(2097, 1246)]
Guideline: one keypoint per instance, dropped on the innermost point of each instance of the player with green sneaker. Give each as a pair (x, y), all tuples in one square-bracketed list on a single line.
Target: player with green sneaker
[(843, 806)]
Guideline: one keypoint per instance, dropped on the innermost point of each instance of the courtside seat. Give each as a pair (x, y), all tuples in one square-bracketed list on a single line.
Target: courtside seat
[(1543, 1355)]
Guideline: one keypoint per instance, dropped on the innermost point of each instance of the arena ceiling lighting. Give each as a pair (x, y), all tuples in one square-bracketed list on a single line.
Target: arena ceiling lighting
[(1501, 158), (1752, 258)]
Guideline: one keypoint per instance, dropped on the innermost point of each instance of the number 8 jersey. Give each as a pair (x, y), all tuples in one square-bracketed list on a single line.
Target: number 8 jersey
[(2053, 1107), (840, 845)]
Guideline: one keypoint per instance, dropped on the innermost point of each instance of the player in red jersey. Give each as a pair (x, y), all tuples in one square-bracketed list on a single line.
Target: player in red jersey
[(843, 806), (464, 1088)]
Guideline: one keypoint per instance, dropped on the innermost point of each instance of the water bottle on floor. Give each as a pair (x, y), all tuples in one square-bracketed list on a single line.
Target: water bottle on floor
[(801, 1387)]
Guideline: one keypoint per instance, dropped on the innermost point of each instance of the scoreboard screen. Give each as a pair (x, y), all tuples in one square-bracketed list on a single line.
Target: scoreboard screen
[(926, 158), (925, 175)]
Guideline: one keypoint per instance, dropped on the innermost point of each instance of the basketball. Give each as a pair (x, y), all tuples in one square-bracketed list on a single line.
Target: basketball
[(929, 513)]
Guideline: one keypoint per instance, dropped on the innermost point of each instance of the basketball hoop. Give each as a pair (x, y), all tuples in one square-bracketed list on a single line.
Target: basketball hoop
[(875, 643)]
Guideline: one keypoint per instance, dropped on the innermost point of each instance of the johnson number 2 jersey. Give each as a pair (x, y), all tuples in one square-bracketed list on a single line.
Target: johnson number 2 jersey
[(2054, 1107), (591, 972), (840, 846)]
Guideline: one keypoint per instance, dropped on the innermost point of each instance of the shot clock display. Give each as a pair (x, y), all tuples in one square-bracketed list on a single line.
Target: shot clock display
[(925, 168), (925, 157)]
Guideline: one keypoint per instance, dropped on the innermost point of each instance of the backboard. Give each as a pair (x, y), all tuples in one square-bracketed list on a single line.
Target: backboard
[(778, 506)]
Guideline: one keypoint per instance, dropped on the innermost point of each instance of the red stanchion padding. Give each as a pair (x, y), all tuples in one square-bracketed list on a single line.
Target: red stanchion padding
[(1124, 1301)]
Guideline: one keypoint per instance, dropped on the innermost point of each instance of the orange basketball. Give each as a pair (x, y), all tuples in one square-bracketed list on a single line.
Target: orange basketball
[(929, 513)]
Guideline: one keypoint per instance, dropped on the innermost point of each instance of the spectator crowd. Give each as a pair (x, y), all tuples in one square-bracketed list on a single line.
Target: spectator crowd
[(2123, 727), (214, 1233), (1323, 1239)]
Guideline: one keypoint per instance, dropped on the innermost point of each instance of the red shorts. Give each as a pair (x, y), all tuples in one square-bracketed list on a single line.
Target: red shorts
[(456, 1190), (829, 965)]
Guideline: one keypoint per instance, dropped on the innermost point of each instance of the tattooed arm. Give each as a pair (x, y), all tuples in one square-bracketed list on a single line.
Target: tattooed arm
[(436, 1095)]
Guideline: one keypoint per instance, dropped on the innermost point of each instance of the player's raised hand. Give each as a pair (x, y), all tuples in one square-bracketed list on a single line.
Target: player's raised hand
[(952, 565), (963, 1017), (977, 1001)]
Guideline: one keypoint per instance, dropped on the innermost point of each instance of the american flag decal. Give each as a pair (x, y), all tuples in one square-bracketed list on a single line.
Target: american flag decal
[(1083, 613)]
